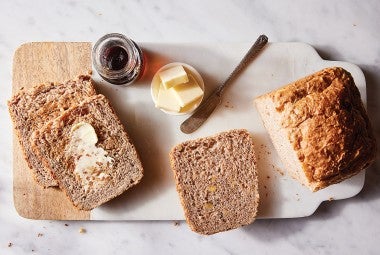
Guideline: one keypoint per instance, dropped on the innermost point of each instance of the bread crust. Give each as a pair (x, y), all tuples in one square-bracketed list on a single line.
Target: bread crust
[(31, 109), (327, 126)]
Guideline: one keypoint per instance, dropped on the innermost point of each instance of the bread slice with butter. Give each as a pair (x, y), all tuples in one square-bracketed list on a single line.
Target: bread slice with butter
[(89, 153), (217, 181), (31, 109)]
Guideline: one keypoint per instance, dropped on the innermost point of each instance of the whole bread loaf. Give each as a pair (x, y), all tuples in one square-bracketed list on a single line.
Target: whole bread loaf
[(319, 127), (89, 153), (31, 109), (217, 181)]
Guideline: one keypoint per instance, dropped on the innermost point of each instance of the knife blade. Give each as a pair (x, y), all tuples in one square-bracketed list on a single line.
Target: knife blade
[(208, 106)]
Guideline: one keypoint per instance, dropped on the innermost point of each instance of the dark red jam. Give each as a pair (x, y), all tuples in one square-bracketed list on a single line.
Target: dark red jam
[(114, 58)]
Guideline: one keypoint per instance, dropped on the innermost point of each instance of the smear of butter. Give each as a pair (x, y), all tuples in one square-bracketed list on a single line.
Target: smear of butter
[(89, 160)]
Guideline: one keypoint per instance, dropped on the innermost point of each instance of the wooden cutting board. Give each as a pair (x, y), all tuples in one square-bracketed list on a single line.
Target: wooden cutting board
[(36, 63)]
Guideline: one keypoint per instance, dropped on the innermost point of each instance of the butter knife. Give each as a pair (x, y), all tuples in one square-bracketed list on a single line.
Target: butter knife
[(208, 106)]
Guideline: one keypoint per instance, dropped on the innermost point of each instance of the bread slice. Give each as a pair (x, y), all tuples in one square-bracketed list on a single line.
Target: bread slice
[(217, 181), (91, 172), (319, 128), (31, 109)]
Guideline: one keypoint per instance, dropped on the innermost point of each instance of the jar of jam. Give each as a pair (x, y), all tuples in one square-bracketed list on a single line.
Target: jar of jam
[(118, 59)]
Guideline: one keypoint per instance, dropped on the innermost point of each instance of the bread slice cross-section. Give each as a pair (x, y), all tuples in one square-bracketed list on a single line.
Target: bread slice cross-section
[(217, 181)]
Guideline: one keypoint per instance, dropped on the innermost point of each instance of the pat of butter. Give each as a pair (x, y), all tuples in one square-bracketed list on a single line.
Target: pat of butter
[(166, 100), (84, 132), (173, 76), (187, 93), (89, 159)]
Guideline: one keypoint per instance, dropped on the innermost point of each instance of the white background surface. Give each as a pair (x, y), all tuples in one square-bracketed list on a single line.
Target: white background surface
[(340, 31), (154, 133)]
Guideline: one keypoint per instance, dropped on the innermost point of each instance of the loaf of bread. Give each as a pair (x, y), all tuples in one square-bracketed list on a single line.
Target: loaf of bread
[(89, 153), (319, 128), (31, 109), (217, 181)]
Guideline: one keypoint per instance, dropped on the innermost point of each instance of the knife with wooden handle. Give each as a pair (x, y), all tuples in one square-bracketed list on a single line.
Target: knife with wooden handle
[(208, 106)]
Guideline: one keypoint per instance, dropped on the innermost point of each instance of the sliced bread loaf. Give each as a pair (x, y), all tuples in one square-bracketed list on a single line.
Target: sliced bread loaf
[(217, 181), (89, 153), (319, 128), (31, 109)]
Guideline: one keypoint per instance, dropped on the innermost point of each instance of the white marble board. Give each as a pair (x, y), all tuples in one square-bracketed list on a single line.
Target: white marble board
[(155, 132)]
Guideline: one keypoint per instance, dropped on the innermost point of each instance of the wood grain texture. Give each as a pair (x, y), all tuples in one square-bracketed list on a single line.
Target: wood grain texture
[(36, 63)]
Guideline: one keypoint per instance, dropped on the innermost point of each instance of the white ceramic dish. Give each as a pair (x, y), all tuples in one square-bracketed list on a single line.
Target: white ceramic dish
[(155, 133), (155, 85)]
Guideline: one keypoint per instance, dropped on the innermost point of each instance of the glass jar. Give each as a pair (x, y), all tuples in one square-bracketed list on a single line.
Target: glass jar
[(118, 59)]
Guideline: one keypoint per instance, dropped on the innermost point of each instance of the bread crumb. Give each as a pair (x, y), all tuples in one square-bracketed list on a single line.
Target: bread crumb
[(228, 105), (176, 223), (82, 230), (10, 244), (39, 234), (331, 198), (280, 171), (66, 224)]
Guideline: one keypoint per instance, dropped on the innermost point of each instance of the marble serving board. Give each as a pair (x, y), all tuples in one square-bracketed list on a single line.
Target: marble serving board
[(155, 133)]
